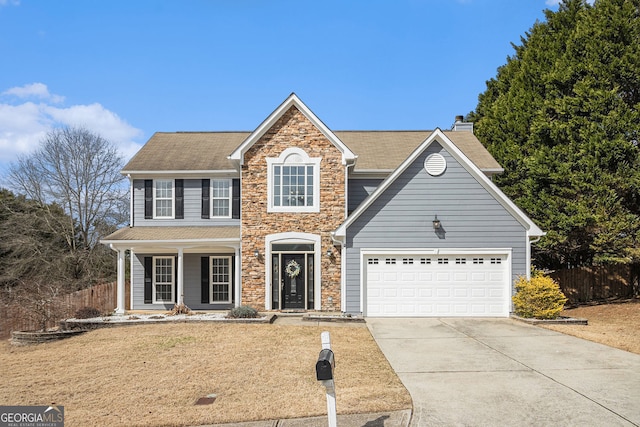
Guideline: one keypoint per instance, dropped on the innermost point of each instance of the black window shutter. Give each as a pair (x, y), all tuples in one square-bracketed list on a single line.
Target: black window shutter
[(205, 198), (148, 199), (204, 280), (235, 199), (148, 278), (179, 188)]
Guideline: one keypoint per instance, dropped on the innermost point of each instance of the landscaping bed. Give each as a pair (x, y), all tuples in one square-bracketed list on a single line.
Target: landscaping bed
[(142, 319)]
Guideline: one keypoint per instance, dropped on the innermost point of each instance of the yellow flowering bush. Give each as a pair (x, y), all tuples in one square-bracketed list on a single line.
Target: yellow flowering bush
[(539, 297)]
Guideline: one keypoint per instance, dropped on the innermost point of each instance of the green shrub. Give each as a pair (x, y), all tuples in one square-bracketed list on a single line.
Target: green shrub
[(243, 312), (87, 313), (540, 298)]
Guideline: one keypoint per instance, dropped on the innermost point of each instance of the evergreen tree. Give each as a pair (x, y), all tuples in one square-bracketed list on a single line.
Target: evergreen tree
[(563, 118)]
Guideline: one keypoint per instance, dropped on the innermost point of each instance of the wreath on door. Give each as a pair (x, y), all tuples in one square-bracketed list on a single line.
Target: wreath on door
[(292, 269)]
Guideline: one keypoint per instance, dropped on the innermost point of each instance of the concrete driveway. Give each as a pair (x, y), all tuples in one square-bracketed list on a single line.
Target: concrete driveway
[(501, 372)]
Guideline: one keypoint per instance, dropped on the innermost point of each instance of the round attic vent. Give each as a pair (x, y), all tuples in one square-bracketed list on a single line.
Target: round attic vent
[(435, 164)]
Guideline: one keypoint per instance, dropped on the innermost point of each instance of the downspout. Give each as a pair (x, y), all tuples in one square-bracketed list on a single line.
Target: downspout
[(340, 242), (130, 200), (528, 255)]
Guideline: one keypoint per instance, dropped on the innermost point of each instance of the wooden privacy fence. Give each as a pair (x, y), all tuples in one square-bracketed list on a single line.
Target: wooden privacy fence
[(101, 297), (597, 283)]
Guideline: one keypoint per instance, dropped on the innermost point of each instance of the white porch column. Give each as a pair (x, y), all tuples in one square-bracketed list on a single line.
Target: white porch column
[(120, 283), (238, 279), (180, 276)]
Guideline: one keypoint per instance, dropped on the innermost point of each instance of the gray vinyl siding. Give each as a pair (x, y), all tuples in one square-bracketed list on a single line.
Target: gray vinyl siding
[(191, 264), (192, 208), (360, 189), (402, 217)]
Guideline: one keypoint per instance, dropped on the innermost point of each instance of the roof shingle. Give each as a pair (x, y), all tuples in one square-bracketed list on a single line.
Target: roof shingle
[(376, 150), (166, 233)]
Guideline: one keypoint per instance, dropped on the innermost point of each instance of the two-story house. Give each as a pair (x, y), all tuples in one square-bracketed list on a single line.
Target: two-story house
[(295, 216)]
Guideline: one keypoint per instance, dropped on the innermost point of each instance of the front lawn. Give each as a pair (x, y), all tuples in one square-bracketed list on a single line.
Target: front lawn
[(616, 325), (151, 375)]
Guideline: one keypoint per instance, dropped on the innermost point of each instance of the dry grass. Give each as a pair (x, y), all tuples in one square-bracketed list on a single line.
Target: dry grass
[(151, 375), (616, 325)]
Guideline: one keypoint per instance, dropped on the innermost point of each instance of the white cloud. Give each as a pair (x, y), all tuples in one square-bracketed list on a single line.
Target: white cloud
[(34, 90), (24, 123)]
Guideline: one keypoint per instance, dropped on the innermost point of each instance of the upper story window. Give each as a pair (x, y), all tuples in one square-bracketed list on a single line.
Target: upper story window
[(163, 201), (164, 198), (221, 198), (294, 182)]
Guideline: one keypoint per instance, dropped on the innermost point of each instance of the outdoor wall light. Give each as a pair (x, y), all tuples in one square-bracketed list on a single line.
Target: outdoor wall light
[(256, 253), (329, 253), (436, 223)]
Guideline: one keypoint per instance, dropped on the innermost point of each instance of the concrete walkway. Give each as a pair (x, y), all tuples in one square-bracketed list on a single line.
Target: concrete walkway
[(500, 372)]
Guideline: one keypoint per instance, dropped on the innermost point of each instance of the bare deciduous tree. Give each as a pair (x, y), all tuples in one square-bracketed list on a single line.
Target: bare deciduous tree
[(77, 170)]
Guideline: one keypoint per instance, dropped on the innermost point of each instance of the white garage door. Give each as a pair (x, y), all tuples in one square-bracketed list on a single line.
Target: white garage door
[(437, 285)]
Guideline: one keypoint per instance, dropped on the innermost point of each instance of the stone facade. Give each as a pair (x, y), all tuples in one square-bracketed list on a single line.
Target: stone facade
[(293, 129)]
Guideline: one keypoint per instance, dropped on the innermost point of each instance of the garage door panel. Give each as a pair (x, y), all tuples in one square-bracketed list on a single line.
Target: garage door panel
[(425, 277), (460, 293), (425, 293), (455, 285), (390, 276), (408, 292), (478, 292), (390, 292), (496, 293), (478, 277), (460, 277), (443, 292)]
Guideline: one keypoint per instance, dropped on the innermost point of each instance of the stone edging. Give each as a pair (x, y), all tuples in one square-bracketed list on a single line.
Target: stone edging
[(327, 318), (22, 337), (557, 321)]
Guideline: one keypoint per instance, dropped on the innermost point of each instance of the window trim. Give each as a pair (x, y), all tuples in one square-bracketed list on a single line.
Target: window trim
[(173, 280), (229, 284), (229, 198), (173, 199), (293, 157)]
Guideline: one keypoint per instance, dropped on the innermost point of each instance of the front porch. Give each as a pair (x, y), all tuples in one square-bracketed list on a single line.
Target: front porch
[(195, 266)]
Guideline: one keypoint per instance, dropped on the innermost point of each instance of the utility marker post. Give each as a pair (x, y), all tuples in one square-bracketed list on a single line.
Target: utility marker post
[(324, 373)]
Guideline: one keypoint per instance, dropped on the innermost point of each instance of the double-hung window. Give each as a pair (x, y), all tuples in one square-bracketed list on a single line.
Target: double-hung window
[(221, 198), (163, 200), (294, 182), (220, 275), (163, 279)]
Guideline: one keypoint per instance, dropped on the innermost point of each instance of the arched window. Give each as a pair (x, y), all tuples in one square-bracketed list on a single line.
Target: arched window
[(294, 182)]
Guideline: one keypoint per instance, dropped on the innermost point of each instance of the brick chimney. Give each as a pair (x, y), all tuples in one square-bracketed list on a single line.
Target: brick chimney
[(461, 126)]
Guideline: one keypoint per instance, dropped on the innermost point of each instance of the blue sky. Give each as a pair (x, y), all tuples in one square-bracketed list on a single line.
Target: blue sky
[(126, 69)]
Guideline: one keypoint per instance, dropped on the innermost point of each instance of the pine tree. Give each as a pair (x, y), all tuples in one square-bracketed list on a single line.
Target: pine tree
[(563, 118)]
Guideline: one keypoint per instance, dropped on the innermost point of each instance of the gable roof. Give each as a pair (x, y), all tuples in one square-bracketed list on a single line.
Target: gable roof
[(386, 150), (444, 140), (237, 155), (377, 151)]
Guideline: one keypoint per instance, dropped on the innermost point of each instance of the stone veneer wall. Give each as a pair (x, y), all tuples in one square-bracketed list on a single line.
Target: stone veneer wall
[(293, 129)]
